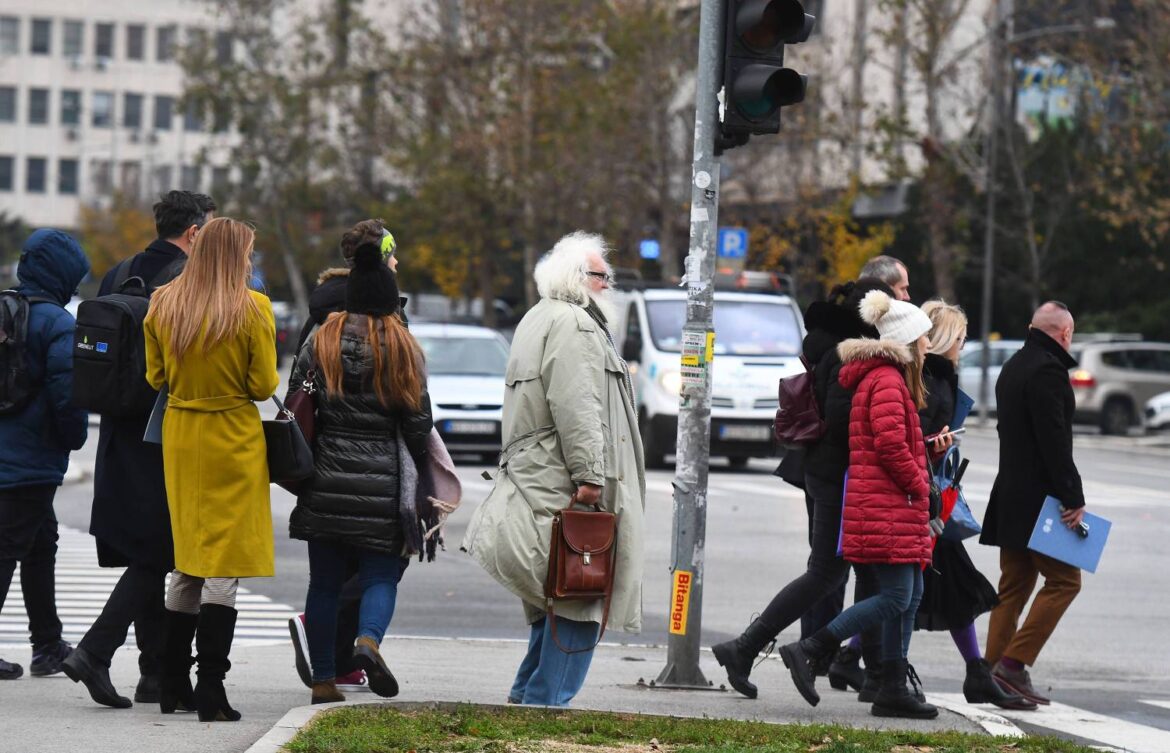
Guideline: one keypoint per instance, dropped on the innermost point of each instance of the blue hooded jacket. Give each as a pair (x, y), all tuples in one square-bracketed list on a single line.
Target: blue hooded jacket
[(35, 443)]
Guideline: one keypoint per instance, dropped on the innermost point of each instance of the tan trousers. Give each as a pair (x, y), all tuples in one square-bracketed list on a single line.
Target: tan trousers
[(1019, 570)]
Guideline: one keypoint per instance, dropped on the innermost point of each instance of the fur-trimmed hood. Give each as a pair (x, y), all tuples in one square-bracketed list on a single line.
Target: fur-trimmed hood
[(860, 356), (332, 273)]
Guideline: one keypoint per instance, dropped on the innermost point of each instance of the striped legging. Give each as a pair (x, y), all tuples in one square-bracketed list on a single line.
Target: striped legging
[(186, 592)]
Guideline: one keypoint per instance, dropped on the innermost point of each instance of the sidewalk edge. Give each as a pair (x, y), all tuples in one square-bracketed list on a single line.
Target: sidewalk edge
[(990, 722)]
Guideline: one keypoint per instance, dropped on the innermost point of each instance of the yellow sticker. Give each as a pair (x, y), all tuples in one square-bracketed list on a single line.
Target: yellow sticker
[(690, 360), (680, 602), (710, 346)]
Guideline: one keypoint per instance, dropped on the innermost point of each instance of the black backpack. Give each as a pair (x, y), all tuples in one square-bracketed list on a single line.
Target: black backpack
[(16, 386), (109, 348)]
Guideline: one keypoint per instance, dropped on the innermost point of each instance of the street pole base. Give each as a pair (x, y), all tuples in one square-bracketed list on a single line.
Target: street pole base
[(677, 677)]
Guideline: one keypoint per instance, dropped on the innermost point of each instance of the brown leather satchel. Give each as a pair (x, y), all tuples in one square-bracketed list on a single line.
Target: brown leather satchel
[(581, 562)]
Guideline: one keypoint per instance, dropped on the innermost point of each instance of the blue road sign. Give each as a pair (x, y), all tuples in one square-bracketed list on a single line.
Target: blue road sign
[(733, 242), (649, 249)]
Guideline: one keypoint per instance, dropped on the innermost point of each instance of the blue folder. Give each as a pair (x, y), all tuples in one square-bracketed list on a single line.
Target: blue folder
[(1054, 539), (963, 405), (153, 432)]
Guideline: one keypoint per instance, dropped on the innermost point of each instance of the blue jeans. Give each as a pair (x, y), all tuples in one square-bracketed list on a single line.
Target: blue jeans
[(549, 676), (894, 606), (378, 574)]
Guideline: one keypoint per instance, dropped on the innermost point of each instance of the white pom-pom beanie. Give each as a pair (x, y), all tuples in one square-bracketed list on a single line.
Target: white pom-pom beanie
[(897, 321)]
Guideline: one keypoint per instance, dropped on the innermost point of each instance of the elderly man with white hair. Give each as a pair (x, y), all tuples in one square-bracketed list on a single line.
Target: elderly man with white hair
[(569, 428)]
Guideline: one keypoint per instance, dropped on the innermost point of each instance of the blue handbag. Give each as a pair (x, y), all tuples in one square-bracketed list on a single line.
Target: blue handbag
[(948, 472)]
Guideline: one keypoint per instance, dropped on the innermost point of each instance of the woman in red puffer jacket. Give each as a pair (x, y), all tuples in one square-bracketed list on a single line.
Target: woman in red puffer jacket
[(887, 499)]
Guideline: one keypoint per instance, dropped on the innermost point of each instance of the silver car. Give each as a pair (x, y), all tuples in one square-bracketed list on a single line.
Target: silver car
[(465, 378), (1113, 381), (971, 372)]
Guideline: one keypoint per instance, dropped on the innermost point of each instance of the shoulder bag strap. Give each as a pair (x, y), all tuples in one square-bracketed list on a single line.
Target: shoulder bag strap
[(121, 274)]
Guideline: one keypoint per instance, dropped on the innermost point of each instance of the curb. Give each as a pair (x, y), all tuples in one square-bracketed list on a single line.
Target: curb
[(990, 722)]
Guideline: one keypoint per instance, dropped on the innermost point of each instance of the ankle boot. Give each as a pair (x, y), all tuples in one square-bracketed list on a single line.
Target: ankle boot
[(213, 642), (872, 656), (367, 656), (738, 655), (979, 687), (797, 657), (327, 692), (845, 672), (895, 699), (175, 691), (81, 666)]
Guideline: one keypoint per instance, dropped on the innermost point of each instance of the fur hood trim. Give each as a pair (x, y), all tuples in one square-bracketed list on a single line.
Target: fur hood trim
[(332, 274), (864, 349)]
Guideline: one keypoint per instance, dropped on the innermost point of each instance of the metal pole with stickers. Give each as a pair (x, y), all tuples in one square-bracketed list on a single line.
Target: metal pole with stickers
[(698, 342)]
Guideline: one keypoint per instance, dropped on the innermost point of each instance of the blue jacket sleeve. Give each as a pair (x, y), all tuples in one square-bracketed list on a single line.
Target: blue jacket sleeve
[(69, 423)]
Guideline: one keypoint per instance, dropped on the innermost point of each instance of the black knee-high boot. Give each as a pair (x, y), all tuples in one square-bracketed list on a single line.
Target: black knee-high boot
[(213, 643), (175, 691)]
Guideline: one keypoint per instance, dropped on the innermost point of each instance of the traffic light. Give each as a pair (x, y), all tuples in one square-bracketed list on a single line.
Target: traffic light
[(755, 82)]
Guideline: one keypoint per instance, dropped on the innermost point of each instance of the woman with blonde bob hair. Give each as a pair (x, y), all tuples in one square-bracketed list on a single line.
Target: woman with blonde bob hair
[(211, 341)]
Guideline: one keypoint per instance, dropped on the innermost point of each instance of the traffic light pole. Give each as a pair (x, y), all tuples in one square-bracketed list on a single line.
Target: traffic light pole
[(698, 337)]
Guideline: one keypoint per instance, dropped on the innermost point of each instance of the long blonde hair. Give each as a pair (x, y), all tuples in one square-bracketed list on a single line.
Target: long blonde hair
[(209, 302), (398, 360), (948, 325), (913, 374)]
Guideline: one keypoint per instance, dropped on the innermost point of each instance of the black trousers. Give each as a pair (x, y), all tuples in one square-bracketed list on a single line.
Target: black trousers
[(825, 610), (28, 535), (137, 598)]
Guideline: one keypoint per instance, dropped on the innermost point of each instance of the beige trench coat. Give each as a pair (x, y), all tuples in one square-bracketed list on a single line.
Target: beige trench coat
[(568, 419)]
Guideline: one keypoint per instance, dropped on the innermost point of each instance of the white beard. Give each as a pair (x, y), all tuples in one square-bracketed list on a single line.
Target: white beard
[(608, 310)]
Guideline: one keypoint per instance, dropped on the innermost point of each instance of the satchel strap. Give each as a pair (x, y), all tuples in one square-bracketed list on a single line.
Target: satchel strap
[(604, 614)]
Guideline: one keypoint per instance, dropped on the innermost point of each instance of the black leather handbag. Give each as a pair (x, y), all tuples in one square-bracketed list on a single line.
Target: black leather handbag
[(290, 458)]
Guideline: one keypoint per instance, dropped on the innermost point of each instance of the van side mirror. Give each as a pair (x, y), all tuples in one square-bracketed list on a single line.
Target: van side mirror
[(632, 351)]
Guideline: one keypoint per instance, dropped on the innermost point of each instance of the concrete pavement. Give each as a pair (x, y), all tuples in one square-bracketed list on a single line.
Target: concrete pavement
[(51, 715)]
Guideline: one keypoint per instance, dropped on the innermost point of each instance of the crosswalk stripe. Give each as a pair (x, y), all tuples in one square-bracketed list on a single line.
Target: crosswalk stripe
[(1160, 703), (83, 587)]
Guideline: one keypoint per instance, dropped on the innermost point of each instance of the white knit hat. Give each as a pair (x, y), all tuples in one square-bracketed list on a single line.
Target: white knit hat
[(897, 321)]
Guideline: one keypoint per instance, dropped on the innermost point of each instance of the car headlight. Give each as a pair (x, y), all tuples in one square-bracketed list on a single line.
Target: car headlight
[(670, 380)]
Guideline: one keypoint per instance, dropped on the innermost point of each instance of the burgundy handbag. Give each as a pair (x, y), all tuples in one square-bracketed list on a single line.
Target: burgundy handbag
[(798, 418), (581, 562)]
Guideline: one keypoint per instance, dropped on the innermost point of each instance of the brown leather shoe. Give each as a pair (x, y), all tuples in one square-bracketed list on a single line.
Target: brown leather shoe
[(367, 656), (1018, 682), (326, 692)]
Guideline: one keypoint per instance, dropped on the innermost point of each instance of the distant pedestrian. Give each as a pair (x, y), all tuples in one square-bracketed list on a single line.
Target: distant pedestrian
[(38, 428), (329, 297), (1035, 406), (885, 516), (890, 271), (130, 519), (372, 391), (209, 339), (954, 592), (570, 431)]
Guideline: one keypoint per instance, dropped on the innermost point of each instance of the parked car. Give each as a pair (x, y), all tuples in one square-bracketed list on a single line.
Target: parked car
[(1157, 414), (971, 371), (465, 377), (1114, 380), (288, 328)]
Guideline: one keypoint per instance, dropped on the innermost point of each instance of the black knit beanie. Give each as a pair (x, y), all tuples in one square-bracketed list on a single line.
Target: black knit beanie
[(372, 288)]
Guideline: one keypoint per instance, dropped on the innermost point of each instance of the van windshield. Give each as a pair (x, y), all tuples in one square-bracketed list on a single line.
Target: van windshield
[(742, 328), (464, 355)]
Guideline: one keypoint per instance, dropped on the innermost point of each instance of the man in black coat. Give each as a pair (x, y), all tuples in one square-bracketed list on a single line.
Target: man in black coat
[(1035, 404), (130, 518)]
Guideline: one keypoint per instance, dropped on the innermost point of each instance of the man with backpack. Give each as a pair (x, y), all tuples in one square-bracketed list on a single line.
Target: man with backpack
[(38, 428), (130, 519)]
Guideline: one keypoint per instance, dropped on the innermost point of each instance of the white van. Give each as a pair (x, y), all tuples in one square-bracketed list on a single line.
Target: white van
[(757, 342)]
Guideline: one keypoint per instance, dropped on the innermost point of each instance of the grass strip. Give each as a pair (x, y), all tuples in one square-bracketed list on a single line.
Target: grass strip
[(474, 729)]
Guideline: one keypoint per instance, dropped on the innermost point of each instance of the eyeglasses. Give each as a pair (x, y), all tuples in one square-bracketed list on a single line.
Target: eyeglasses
[(605, 277)]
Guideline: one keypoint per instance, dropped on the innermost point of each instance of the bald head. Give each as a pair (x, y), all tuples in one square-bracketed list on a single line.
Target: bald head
[(1054, 319)]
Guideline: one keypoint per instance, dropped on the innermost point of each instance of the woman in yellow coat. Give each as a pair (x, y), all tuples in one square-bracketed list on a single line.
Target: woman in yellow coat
[(211, 340)]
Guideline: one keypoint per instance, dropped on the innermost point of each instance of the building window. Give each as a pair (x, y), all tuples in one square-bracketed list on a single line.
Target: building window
[(224, 42), (132, 111), (190, 177), (7, 104), (42, 36), (103, 109), (193, 116), (135, 42), (70, 107), (9, 35), (163, 112), (130, 181), (221, 178), (73, 41), (38, 106), (67, 177), (103, 43), (161, 179), (221, 117), (165, 48), (34, 179), (99, 175), (6, 173)]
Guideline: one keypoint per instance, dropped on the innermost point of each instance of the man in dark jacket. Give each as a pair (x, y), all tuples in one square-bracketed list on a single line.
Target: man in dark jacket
[(37, 440), (1036, 406), (130, 519)]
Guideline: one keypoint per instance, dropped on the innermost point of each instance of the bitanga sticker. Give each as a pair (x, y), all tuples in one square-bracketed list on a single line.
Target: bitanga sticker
[(680, 602)]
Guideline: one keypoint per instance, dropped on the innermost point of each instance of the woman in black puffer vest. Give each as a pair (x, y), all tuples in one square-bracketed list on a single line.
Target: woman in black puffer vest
[(371, 388)]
